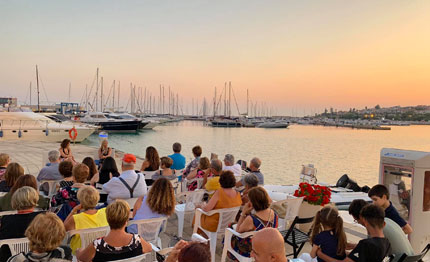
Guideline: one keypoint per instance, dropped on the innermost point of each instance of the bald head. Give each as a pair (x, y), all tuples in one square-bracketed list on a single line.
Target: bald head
[(268, 245)]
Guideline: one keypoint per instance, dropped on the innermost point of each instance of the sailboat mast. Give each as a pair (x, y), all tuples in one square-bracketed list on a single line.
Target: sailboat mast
[(113, 96), (215, 103), (38, 91), (247, 102), (97, 91), (177, 104), (119, 90), (86, 97), (30, 94), (225, 100), (229, 99), (70, 90), (101, 96)]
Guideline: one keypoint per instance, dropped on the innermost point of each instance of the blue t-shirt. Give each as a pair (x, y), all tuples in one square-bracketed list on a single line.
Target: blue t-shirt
[(327, 241), (391, 213), (178, 161)]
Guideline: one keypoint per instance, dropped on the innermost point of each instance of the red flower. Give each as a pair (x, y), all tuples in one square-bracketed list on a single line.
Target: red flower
[(314, 194)]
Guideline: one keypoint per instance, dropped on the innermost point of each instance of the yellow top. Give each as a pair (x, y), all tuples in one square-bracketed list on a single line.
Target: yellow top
[(84, 221), (213, 184)]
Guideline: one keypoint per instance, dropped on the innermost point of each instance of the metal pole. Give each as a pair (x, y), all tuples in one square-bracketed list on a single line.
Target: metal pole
[(38, 91)]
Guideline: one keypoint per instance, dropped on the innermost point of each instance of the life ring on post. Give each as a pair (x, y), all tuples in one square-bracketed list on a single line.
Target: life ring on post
[(73, 133)]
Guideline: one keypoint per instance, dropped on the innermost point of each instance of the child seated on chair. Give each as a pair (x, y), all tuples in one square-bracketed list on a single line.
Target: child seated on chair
[(380, 196), (327, 236), (375, 248)]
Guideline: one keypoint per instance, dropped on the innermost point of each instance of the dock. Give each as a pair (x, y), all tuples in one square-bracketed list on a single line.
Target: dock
[(31, 155)]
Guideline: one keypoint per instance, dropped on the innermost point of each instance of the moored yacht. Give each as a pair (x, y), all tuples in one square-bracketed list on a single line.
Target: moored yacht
[(111, 123), (274, 124), (30, 126)]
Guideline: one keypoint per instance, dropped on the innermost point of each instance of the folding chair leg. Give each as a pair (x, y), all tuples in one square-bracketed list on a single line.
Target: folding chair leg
[(300, 248)]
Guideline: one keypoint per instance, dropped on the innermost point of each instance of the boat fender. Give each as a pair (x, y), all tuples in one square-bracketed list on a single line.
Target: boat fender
[(46, 132), (73, 133), (19, 134)]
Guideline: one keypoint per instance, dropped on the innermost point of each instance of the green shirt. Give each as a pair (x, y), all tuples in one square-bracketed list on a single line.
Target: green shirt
[(398, 240)]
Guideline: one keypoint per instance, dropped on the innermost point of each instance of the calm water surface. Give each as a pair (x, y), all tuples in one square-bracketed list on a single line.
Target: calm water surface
[(333, 151)]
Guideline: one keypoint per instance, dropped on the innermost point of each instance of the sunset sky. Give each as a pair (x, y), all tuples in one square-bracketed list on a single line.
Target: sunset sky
[(297, 56)]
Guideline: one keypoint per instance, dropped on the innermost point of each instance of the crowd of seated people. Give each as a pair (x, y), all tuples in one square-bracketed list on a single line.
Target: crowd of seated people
[(79, 206)]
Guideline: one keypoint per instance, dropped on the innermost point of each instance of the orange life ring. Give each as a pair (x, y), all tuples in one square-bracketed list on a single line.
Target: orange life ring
[(73, 133)]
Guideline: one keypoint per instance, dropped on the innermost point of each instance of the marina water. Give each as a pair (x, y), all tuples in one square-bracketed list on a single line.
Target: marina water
[(333, 151)]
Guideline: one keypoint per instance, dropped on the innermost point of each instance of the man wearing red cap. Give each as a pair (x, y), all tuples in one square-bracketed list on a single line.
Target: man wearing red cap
[(129, 184)]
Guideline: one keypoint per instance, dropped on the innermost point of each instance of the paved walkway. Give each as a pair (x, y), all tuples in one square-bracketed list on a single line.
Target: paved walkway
[(32, 156)]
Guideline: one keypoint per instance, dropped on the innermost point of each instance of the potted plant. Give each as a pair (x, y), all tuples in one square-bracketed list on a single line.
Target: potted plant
[(314, 194), (315, 197)]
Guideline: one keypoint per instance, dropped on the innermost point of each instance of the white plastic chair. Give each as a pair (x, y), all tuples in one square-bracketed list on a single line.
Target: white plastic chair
[(52, 186), (186, 183), (229, 233), (16, 245), (131, 201), (277, 196), (292, 206), (140, 258), (150, 229), (191, 198), (149, 174), (88, 235), (226, 216)]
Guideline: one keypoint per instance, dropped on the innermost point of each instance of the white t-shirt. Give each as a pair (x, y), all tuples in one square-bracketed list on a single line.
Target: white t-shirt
[(236, 169), (117, 190)]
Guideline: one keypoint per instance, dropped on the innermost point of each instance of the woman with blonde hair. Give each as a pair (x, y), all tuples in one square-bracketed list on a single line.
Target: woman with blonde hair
[(117, 244), (85, 215), (13, 171), (155, 204), (24, 200), (46, 232), (104, 151)]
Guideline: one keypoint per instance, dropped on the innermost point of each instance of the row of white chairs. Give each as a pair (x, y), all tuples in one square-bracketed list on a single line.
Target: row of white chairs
[(148, 229)]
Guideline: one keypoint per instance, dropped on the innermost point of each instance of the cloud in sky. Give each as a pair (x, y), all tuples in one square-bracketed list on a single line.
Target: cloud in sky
[(293, 55)]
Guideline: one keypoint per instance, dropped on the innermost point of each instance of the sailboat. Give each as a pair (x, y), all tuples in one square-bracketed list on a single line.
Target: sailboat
[(226, 120)]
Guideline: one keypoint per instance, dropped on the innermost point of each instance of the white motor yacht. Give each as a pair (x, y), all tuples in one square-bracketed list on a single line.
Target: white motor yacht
[(31, 126), (111, 122), (274, 124)]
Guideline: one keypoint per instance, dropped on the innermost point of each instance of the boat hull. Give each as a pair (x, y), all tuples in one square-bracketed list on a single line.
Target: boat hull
[(225, 124), (53, 135), (117, 125)]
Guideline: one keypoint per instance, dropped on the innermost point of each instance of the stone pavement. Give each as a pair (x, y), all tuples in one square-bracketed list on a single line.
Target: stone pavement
[(32, 156)]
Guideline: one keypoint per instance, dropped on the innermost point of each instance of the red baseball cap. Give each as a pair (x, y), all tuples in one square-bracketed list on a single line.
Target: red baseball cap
[(129, 158)]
